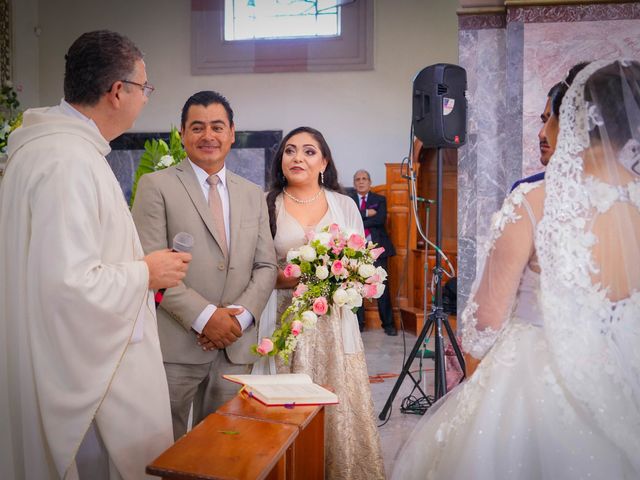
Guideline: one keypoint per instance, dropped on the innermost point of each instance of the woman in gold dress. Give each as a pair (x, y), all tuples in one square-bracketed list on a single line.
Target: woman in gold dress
[(305, 195)]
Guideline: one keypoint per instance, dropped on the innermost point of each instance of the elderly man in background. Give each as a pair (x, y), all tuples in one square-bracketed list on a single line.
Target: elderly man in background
[(82, 388), (373, 208)]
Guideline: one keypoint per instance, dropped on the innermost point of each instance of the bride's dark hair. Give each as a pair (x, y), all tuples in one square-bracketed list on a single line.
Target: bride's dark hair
[(278, 180)]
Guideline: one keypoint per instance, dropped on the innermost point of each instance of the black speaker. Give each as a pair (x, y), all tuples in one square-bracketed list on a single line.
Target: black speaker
[(440, 106)]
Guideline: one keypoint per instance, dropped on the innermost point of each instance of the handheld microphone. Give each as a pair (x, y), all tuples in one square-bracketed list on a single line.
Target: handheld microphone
[(182, 242)]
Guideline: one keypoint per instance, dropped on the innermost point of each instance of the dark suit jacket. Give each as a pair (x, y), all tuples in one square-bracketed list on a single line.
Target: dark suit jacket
[(376, 223), (536, 177)]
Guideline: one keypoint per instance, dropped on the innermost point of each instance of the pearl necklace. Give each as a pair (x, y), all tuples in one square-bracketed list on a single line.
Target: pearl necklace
[(300, 201)]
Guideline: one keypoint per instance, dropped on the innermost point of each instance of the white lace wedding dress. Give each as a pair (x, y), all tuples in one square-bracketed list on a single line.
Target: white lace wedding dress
[(557, 394), (513, 419)]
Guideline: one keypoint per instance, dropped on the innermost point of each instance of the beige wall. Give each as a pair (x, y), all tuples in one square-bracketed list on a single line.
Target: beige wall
[(364, 115)]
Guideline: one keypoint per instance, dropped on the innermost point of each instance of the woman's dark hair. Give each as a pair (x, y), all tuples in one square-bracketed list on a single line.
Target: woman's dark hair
[(611, 88), (206, 98), (278, 180), (94, 62), (558, 91)]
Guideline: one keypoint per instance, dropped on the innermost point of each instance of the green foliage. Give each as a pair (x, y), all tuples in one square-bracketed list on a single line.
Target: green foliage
[(157, 156), (10, 115)]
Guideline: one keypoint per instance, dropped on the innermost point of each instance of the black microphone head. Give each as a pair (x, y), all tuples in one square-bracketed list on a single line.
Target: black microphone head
[(183, 242)]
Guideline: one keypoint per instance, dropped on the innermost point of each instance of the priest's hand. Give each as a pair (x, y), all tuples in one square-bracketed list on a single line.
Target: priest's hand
[(166, 268), (222, 329)]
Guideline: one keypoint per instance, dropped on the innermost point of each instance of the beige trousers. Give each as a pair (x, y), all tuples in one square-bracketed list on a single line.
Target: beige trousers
[(202, 386)]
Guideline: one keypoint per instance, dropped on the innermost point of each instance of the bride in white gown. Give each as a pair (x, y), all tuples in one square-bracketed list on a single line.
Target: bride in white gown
[(555, 313)]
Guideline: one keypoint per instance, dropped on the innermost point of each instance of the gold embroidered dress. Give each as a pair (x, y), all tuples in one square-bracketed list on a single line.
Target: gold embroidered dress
[(332, 354)]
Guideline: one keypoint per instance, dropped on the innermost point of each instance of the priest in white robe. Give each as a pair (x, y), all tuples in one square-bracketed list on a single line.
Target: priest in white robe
[(83, 393)]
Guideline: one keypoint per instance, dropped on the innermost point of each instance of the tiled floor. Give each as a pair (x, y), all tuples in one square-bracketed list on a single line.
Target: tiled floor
[(385, 356)]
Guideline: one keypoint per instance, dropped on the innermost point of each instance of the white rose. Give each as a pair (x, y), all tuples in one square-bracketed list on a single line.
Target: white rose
[(382, 273), (324, 238), (366, 270), (322, 272), (165, 161), (309, 319), (355, 299), (340, 297), (292, 254), (307, 253)]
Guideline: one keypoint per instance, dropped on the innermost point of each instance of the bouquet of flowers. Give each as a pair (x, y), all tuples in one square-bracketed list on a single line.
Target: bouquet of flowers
[(336, 270)]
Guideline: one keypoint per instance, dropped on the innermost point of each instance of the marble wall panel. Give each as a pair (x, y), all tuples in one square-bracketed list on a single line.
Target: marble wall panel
[(513, 127), (481, 166), (468, 55), (550, 49)]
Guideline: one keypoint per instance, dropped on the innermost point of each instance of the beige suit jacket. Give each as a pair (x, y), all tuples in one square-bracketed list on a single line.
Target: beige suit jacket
[(171, 201)]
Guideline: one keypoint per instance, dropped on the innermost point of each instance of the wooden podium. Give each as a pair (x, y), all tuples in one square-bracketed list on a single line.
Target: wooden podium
[(245, 439)]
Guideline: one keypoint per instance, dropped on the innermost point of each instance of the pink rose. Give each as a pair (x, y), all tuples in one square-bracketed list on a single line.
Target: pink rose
[(292, 270), (266, 345), (334, 229), (320, 306), (296, 327), (337, 268), (356, 242), (370, 290), (373, 279), (376, 252), (310, 235), (300, 289), (379, 290)]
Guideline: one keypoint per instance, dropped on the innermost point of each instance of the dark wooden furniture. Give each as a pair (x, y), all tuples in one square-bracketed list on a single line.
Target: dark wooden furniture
[(406, 269)]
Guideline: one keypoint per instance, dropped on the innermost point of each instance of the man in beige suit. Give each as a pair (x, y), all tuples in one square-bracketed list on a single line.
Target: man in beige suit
[(208, 323)]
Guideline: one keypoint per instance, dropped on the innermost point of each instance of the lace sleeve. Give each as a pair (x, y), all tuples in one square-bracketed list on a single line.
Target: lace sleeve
[(506, 253)]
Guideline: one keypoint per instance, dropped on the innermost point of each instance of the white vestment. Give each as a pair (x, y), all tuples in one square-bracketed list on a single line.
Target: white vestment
[(72, 287)]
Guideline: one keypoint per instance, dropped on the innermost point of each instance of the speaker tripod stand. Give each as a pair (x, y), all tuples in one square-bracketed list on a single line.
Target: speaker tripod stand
[(437, 319)]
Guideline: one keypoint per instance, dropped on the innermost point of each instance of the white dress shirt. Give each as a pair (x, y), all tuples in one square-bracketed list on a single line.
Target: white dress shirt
[(245, 318)]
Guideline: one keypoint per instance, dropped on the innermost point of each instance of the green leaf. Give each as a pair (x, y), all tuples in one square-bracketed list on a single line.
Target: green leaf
[(154, 150)]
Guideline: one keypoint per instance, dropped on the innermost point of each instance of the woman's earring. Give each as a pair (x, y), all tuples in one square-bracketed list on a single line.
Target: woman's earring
[(322, 178)]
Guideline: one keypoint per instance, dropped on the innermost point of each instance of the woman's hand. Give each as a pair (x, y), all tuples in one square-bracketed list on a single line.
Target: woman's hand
[(286, 282)]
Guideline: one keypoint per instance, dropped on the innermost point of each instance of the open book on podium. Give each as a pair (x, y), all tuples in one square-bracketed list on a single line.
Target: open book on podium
[(284, 389)]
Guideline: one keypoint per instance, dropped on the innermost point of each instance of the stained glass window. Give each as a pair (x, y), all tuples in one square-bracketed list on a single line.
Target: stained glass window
[(266, 19)]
